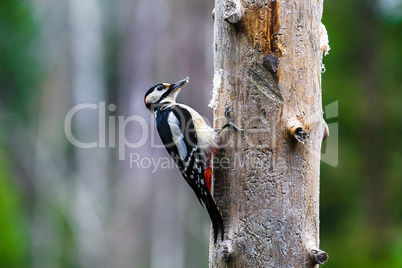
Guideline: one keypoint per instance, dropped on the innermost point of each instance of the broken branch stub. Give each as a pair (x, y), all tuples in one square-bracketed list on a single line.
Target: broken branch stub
[(232, 12), (295, 129), (318, 256)]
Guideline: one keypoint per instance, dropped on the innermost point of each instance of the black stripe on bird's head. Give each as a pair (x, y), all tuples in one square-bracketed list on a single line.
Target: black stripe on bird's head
[(163, 92)]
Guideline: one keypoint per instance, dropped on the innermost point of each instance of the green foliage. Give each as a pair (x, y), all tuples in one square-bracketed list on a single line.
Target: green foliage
[(19, 73), (353, 231), (14, 239), (18, 90)]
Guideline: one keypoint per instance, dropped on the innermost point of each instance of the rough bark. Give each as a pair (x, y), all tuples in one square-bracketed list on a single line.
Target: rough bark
[(267, 177)]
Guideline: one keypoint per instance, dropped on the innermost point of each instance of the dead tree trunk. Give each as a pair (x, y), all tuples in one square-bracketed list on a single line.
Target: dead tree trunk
[(267, 177)]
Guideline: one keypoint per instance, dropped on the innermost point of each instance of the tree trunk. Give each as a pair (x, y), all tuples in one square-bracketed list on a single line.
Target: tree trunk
[(267, 176)]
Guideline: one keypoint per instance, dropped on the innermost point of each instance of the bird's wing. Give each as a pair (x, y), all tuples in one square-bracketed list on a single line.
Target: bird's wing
[(176, 128)]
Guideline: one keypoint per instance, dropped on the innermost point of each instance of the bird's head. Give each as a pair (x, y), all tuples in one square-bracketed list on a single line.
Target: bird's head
[(162, 93)]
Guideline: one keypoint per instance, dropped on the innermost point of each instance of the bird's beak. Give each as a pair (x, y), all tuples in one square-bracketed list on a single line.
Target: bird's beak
[(175, 87)]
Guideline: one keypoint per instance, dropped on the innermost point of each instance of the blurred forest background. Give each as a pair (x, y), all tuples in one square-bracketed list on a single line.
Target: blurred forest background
[(63, 206)]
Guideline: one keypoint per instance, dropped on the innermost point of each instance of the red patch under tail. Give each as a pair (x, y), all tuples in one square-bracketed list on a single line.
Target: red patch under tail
[(208, 177)]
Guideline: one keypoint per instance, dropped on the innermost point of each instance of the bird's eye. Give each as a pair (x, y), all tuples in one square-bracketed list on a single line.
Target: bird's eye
[(159, 88)]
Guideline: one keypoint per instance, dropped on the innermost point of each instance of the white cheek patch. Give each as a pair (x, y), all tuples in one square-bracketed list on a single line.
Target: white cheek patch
[(177, 136), (154, 97)]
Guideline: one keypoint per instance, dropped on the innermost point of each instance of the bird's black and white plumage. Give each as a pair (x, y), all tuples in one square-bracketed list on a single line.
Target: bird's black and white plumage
[(189, 141)]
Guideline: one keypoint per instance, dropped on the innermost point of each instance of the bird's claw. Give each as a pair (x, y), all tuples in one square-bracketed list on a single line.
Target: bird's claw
[(227, 113), (229, 122)]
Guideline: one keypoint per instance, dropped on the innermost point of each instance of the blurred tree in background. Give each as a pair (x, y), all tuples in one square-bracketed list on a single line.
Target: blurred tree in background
[(62, 206)]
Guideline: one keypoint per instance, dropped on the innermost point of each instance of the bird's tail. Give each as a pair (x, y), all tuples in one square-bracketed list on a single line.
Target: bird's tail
[(215, 215)]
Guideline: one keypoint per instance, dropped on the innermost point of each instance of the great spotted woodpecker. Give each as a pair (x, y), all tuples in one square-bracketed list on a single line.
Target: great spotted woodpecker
[(189, 141)]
